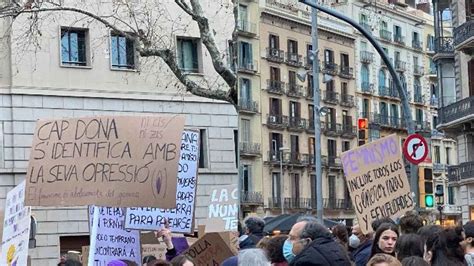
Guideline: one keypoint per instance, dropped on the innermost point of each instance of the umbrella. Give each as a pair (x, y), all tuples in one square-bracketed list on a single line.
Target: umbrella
[(284, 222)]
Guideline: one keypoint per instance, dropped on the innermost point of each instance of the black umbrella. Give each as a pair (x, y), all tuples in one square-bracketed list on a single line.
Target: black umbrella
[(284, 222)]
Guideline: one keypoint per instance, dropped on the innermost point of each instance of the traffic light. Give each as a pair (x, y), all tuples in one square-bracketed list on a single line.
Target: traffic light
[(429, 201), (363, 126)]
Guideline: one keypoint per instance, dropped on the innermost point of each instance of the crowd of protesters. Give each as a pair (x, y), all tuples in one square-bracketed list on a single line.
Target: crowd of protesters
[(405, 242)]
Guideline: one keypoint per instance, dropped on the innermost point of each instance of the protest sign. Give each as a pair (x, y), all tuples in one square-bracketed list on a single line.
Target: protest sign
[(109, 238), (377, 182), (181, 218), (121, 161), (211, 249), (223, 205), (157, 250), (16, 228)]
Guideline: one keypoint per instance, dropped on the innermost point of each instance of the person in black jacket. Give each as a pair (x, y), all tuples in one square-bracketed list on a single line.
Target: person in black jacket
[(310, 243), (253, 232)]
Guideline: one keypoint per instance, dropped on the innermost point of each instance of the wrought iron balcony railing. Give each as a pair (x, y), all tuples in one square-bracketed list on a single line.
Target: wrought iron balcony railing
[(297, 123), (277, 121), (367, 87), (347, 100), (399, 39), (294, 59), (439, 168), (417, 44), (251, 197), (463, 32), (457, 110), (346, 72), (444, 45), (248, 65), (247, 27), (418, 98), (330, 68), (275, 55), (248, 105), (400, 65), (385, 35), (275, 86), (294, 90), (297, 203), (384, 91), (349, 131), (250, 148), (331, 129), (331, 97), (463, 171), (418, 70), (366, 57)]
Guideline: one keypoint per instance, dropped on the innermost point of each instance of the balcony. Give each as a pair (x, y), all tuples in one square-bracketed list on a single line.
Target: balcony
[(248, 66), (331, 97), (277, 121), (417, 45), (331, 161), (400, 65), (422, 126), (346, 72), (294, 59), (384, 91), (385, 35), (347, 100), (310, 127), (366, 26), (329, 68), (275, 86), (464, 37), (444, 47), (251, 198), (337, 204), (249, 149), (439, 168), (366, 57), (297, 124), (349, 131), (246, 28), (295, 159), (461, 172), (274, 203), (367, 87), (294, 90), (275, 55), (297, 203), (248, 106), (391, 122), (418, 98), (394, 92), (399, 39), (418, 70), (331, 129), (458, 110)]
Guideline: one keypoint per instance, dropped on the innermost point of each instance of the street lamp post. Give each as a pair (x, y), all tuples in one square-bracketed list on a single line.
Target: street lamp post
[(439, 195), (282, 186)]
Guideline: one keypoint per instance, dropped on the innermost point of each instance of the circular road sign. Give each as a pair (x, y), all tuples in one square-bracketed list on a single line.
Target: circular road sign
[(415, 148)]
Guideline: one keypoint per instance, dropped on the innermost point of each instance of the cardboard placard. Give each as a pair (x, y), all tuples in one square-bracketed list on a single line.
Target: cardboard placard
[(377, 182), (212, 249), (224, 205), (85, 255), (109, 238), (180, 218), (16, 228), (157, 250), (121, 161)]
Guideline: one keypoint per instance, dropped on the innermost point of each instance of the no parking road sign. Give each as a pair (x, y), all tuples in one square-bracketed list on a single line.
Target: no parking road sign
[(415, 148)]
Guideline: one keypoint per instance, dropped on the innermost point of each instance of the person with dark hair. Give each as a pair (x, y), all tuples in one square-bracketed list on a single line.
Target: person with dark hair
[(409, 245), (444, 248), (310, 243), (385, 239), (341, 235), (361, 244), (181, 260), (382, 259), (158, 262), (410, 224), (274, 250), (428, 230), (468, 242), (414, 261), (377, 222), (253, 232), (148, 258)]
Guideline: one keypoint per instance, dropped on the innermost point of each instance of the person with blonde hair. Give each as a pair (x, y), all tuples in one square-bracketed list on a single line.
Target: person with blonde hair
[(382, 259)]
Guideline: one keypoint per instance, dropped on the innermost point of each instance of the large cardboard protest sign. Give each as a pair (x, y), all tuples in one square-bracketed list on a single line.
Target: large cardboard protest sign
[(223, 205), (212, 249), (16, 228), (109, 238), (377, 182), (181, 218), (122, 161)]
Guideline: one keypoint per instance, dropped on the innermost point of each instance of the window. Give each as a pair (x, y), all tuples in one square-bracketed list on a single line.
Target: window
[(311, 113), (273, 42), (419, 115), (274, 73), (430, 44), (437, 154), (276, 142), (344, 60), (344, 88), (246, 178), (310, 86), (328, 56), (122, 52), (202, 148), (332, 151), (73, 47), (309, 54), (394, 111), (374, 134), (470, 71), (188, 58), (295, 192), (451, 196), (292, 47), (382, 79), (243, 16), (346, 145), (365, 108), (276, 187), (295, 144), (383, 25), (311, 143), (245, 132), (291, 78), (331, 116), (363, 19), (415, 60), (245, 94), (332, 191), (397, 31), (364, 74), (346, 119), (245, 55), (330, 85), (448, 155), (275, 106), (435, 122), (416, 37), (294, 109)]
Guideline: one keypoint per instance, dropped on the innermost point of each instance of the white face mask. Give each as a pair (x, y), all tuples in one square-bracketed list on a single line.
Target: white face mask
[(354, 241)]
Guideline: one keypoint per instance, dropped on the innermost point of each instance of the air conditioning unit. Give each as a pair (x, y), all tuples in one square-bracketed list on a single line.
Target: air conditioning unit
[(273, 119)]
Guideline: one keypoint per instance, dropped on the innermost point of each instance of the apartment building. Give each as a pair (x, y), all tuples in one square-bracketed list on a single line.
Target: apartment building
[(456, 112), (81, 68), (250, 119), (286, 101)]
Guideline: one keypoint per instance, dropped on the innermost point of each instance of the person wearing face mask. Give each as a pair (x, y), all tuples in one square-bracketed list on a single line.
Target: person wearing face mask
[(310, 243), (361, 244)]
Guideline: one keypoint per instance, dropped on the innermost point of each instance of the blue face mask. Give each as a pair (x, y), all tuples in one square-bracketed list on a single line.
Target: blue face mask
[(288, 251)]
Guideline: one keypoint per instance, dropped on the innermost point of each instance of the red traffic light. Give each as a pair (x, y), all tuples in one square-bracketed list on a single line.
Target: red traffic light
[(363, 123)]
